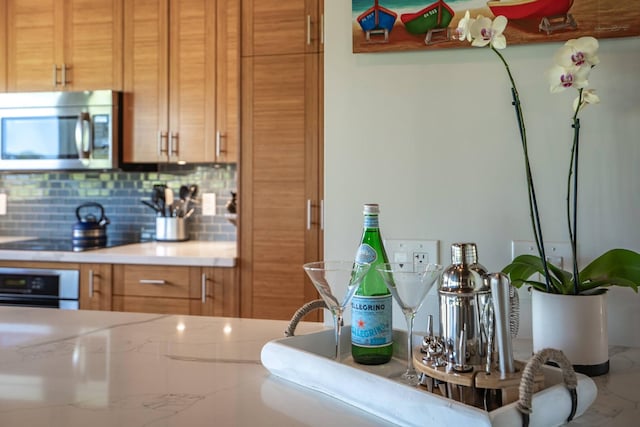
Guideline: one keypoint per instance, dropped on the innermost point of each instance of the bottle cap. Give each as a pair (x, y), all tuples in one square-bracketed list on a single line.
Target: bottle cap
[(371, 208)]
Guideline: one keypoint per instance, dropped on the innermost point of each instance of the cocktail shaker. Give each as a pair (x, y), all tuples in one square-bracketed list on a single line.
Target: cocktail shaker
[(464, 292)]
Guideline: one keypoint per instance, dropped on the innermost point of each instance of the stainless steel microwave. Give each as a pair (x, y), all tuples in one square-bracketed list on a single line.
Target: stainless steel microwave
[(60, 130)]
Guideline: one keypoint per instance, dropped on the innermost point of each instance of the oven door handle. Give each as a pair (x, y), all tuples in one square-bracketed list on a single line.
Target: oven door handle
[(84, 136)]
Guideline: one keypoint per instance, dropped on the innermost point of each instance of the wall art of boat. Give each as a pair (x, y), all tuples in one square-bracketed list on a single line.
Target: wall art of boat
[(377, 20), (529, 9), (436, 15)]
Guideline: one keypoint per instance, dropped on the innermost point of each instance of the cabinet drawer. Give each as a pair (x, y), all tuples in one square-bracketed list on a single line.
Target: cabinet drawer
[(156, 281)]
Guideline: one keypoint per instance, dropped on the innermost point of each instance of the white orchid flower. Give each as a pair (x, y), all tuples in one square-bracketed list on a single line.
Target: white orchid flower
[(588, 97), (486, 32), (464, 28), (561, 78), (580, 53)]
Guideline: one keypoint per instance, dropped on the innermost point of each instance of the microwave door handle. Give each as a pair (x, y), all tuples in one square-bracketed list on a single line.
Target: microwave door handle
[(84, 138)]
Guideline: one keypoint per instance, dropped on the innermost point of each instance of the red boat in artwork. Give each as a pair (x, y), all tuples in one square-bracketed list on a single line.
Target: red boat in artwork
[(529, 9)]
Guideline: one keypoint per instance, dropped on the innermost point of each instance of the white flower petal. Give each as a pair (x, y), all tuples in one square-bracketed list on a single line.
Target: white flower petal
[(499, 42), (499, 24)]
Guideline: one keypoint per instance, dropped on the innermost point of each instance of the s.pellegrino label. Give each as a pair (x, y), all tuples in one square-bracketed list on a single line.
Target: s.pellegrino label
[(370, 326)]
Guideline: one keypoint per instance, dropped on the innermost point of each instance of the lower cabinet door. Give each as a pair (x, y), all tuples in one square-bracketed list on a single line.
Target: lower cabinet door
[(96, 286)]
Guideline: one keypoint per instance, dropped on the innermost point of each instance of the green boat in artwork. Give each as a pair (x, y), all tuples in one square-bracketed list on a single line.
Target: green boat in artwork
[(436, 15)]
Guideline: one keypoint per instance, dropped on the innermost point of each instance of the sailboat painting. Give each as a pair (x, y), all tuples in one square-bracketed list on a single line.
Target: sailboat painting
[(399, 25)]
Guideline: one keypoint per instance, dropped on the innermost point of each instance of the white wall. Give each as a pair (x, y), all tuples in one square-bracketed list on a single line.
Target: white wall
[(432, 137)]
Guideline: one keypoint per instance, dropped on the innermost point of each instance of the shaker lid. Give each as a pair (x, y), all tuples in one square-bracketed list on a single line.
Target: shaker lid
[(464, 253), (371, 208)]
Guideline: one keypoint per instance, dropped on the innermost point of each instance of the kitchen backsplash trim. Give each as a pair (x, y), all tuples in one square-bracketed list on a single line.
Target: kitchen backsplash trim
[(44, 204)]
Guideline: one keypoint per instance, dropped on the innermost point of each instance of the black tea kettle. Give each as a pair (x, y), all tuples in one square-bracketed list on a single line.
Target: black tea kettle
[(90, 231)]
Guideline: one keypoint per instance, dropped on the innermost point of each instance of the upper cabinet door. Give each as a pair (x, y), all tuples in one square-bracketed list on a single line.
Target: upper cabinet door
[(182, 81), (33, 35), (93, 44), (3, 45), (146, 81), (192, 80), (64, 45), (272, 27)]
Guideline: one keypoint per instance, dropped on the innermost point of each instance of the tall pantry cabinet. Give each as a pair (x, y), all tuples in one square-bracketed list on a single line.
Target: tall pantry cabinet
[(63, 44), (282, 155), (182, 83)]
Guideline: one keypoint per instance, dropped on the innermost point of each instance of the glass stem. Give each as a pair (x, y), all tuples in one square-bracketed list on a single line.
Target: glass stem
[(409, 317), (337, 320)]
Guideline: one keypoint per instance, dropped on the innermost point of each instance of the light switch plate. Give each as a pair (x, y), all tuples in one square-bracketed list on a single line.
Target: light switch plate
[(3, 203), (208, 204), (416, 251), (557, 253)]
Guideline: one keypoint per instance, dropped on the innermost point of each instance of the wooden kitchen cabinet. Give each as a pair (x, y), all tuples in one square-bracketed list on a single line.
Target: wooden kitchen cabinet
[(155, 289), (63, 45), (95, 286), (176, 290), (282, 156), (3, 45), (220, 293), (181, 81)]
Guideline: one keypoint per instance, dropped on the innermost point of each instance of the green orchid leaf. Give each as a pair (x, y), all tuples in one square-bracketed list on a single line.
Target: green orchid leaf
[(617, 267)]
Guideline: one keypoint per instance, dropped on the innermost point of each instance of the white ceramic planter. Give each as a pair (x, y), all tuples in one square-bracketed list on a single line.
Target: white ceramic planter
[(577, 325)]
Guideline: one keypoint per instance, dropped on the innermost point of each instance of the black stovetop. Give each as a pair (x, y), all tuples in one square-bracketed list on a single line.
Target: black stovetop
[(59, 245)]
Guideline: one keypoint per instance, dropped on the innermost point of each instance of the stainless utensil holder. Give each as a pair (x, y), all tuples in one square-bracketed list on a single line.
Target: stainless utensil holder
[(171, 229)]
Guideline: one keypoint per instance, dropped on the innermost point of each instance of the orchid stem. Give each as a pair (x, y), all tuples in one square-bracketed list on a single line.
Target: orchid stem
[(533, 203)]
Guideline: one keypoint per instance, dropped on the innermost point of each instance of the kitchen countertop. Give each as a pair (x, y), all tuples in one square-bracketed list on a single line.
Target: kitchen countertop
[(189, 253), (72, 368)]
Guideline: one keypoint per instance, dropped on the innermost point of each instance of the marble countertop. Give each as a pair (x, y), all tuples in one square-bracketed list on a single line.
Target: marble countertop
[(189, 253), (75, 368)]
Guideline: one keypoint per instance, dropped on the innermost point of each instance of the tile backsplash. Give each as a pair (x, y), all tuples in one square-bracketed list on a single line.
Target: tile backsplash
[(44, 204)]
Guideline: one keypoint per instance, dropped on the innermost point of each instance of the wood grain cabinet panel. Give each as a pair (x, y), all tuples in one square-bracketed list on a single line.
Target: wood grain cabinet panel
[(64, 45), (282, 162), (182, 80), (220, 294), (154, 289), (3, 45), (176, 290), (95, 286)]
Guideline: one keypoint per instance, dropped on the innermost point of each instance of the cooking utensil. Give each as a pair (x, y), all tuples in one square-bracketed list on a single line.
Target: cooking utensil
[(90, 231), (152, 206), (168, 200)]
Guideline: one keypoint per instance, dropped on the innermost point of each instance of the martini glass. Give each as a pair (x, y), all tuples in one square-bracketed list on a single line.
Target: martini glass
[(330, 278), (409, 286)]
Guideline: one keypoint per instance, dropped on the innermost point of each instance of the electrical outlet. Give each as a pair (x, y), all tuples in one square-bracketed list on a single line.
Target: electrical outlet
[(208, 204), (557, 253), (410, 250)]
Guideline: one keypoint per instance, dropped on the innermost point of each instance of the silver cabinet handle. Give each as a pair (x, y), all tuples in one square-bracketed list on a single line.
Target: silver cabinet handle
[(308, 214), (91, 283), (162, 136), (64, 75), (322, 214), (219, 150), (152, 282), (322, 29), (55, 75), (203, 286), (174, 148), (308, 30)]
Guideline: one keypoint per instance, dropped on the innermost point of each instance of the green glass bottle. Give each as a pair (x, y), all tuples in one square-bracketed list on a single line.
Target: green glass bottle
[(371, 327)]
